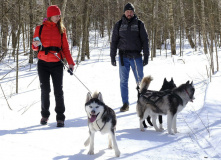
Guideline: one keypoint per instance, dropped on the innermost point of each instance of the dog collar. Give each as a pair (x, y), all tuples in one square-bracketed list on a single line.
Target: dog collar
[(104, 123), (189, 95)]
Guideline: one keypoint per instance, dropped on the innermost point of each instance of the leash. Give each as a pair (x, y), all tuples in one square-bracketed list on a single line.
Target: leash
[(70, 71), (138, 83)]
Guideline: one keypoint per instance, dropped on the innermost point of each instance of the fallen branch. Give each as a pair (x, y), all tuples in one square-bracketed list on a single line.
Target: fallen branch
[(32, 81), (26, 109), (5, 97)]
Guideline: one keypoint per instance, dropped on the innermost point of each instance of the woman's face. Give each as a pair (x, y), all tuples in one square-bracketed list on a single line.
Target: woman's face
[(56, 18)]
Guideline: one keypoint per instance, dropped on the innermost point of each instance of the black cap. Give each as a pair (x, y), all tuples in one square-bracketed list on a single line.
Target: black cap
[(128, 6)]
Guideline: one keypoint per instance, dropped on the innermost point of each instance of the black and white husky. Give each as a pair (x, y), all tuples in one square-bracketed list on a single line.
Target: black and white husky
[(169, 102), (166, 85), (100, 118)]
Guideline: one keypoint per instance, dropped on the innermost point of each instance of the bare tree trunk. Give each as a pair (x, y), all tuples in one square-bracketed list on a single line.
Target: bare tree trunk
[(23, 37), (219, 9), (194, 23), (31, 31), (109, 25), (171, 28), (155, 27), (18, 36), (14, 29), (185, 25), (102, 23), (74, 31), (203, 26), (63, 9), (85, 40), (4, 30), (152, 32), (212, 37), (180, 41), (199, 38), (14, 37), (217, 58)]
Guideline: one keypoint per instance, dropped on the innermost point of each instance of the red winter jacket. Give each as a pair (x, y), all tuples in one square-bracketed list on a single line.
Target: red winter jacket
[(50, 36)]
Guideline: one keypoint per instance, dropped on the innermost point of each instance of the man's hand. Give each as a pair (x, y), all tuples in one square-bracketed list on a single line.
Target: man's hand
[(145, 61), (113, 61)]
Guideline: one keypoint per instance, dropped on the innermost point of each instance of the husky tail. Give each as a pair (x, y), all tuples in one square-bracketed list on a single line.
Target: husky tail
[(145, 83)]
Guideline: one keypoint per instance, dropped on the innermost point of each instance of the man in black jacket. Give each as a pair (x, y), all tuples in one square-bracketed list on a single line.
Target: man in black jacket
[(130, 37)]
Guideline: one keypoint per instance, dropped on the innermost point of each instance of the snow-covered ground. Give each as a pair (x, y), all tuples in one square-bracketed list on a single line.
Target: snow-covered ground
[(199, 124)]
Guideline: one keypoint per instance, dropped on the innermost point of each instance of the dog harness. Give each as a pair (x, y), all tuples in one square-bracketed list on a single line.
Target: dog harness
[(152, 97)]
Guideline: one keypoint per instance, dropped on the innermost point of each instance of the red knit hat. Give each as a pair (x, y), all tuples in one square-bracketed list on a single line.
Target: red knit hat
[(53, 10)]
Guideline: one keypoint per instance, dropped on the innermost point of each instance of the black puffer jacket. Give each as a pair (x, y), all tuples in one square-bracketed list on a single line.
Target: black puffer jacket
[(130, 37)]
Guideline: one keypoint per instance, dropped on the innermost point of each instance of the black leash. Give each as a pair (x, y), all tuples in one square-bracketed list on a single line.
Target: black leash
[(138, 83), (71, 71)]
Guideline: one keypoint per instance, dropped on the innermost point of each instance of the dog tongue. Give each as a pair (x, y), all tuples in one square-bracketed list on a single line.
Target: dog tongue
[(93, 118)]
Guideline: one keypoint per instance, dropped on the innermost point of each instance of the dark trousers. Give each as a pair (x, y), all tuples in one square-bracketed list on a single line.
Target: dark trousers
[(55, 70)]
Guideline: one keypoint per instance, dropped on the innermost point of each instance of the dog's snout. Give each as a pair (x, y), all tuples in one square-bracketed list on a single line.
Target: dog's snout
[(93, 111)]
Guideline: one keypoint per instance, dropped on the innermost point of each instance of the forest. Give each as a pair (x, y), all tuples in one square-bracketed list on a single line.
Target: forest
[(168, 23)]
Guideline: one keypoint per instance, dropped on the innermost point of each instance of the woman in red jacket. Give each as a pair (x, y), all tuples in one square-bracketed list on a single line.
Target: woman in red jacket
[(50, 39)]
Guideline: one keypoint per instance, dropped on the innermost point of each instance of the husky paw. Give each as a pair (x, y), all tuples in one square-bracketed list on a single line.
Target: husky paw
[(142, 130), (171, 133), (117, 153), (91, 152), (110, 147), (86, 143), (176, 131), (159, 130), (161, 127)]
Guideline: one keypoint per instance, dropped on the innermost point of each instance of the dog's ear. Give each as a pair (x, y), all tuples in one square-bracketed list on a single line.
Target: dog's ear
[(172, 79), (100, 97), (187, 82), (165, 80), (88, 97), (191, 83)]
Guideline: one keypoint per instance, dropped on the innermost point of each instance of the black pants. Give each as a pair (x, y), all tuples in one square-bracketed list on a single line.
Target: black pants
[(55, 70)]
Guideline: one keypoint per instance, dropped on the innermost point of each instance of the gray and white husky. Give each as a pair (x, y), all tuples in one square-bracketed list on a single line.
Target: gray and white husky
[(100, 118), (169, 102)]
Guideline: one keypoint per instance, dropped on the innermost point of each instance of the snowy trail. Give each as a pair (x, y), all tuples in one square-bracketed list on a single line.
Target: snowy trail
[(199, 124)]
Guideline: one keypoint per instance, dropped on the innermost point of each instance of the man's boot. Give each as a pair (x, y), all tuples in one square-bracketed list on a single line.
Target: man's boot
[(125, 107)]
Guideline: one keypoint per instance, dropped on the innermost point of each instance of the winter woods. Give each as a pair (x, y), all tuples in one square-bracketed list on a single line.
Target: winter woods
[(169, 23)]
